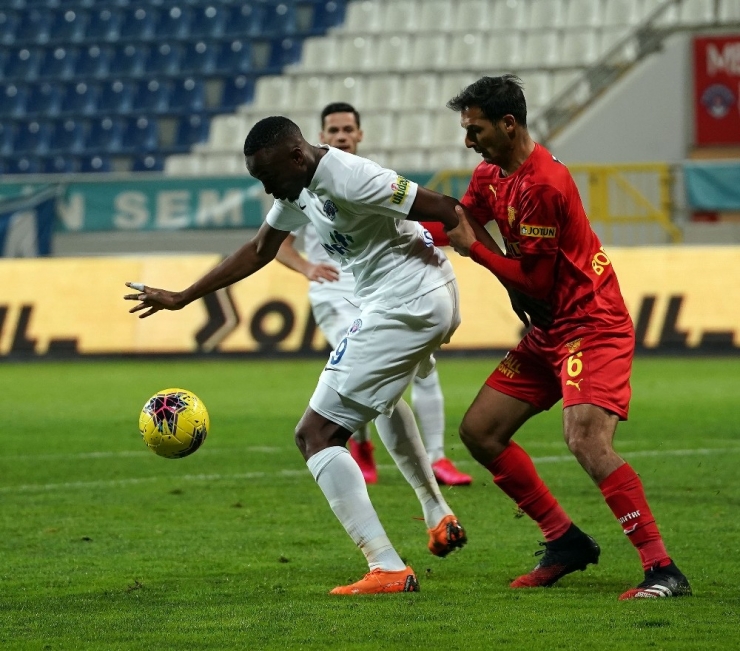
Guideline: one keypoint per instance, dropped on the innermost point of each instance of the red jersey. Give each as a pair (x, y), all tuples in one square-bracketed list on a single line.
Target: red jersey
[(539, 213)]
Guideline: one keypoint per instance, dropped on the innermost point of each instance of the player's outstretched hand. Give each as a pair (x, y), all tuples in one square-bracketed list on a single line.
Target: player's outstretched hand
[(462, 236), (529, 309), (153, 300), (323, 271)]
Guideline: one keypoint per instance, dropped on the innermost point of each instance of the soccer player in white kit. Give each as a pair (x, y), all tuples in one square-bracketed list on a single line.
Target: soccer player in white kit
[(366, 217), (334, 307)]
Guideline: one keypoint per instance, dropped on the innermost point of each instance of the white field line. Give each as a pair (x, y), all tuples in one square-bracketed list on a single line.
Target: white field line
[(129, 453), (113, 483)]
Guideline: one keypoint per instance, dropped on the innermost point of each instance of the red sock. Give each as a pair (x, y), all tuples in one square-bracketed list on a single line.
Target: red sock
[(625, 496), (514, 473)]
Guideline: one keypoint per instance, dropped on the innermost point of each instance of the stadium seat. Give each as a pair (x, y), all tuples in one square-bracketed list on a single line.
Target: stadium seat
[(384, 92), (94, 164), (148, 164), (163, 59), (403, 13), (627, 52), (152, 97), (421, 92), (22, 64), (60, 165), (199, 58), (697, 12), (580, 48), (32, 138), (188, 96), (128, 61), (622, 13), (235, 57), (24, 165), (363, 18), (105, 136), (8, 25), (140, 135), (103, 25), (583, 13), (44, 100), (283, 52), (510, 15), (137, 24), (244, 20), (542, 50), (273, 93), (348, 89), (546, 14), (379, 131), (356, 54), (320, 54), (473, 15), (191, 130), (408, 160), (327, 15), (222, 164), (504, 50), (12, 100), (310, 93), (92, 61), (414, 129), (466, 52), (7, 134), (537, 88), (68, 26), (80, 99), (237, 91), (208, 21), (173, 22), (116, 98), (393, 53), (182, 165), (446, 130), (279, 19), (729, 11), (429, 52), (68, 137), (58, 63), (434, 15), (33, 27)]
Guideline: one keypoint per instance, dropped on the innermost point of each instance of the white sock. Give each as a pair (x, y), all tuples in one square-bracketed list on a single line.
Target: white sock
[(400, 435), (341, 481), (362, 435), (429, 405)]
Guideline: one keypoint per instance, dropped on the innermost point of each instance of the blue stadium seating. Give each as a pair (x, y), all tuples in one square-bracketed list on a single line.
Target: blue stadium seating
[(148, 164), (22, 64), (104, 25), (7, 131), (188, 96), (244, 20), (152, 97), (68, 26), (191, 130), (208, 21), (24, 165), (58, 63), (199, 58), (237, 90), (94, 164), (141, 135), (12, 100), (173, 22), (68, 137), (278, 19), (128, 61), (59, 165), (33, 27), (116, 97), (44, 100), (32, 138), (163, 59), (105, 136), (92, 61), (8, 24), (235, 57), (80, 99)]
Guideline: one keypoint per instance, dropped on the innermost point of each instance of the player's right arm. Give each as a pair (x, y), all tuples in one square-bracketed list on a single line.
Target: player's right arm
[(289, 256), (251, 257)]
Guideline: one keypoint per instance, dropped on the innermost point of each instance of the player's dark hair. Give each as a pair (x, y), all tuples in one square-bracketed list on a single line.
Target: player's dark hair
[(269, 132), (495, 97), (339, 107)]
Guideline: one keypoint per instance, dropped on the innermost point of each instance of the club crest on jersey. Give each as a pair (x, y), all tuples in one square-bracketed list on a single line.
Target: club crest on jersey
[(531, 230), (400, 190), (512, 215), (355, 327), (330, 209), (574, 345)]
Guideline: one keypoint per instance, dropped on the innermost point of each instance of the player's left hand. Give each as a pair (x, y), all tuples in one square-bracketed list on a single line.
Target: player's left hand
[(462, 236), (153, 300), (322, 271)]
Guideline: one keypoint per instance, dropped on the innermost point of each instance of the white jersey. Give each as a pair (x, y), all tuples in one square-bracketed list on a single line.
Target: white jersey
[(359, 211)]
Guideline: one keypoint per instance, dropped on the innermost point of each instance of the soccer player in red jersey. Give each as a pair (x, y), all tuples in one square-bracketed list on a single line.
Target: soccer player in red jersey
[(584, 356)]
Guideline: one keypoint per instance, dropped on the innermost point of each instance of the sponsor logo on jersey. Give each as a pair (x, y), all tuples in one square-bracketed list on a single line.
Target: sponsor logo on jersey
[(509, 367), (492, 189), (718, 100), (355, 327), (400, 190), (531, 230), (574, 345), (512, 215), (330, 209)]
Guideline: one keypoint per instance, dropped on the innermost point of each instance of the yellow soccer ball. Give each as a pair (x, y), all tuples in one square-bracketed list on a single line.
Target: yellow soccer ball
[(174, 423)]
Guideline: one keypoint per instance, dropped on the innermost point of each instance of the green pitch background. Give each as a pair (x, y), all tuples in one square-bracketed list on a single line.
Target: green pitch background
[(106, 546)]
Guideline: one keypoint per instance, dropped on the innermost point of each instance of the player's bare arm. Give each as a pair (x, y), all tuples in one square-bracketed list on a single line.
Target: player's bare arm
[(434, 207), (289, 256), (251, 257)]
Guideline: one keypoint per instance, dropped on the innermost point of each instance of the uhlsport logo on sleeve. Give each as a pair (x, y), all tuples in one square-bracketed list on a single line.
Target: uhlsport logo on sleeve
[(400, 190), (531, 230)]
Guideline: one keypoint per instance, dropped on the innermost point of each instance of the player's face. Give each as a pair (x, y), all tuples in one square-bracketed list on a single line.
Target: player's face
[(341, 131), (490, 139), (281, 170)]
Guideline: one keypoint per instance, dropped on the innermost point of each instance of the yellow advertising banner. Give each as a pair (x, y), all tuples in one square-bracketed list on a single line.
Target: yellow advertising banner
[(681, 299)]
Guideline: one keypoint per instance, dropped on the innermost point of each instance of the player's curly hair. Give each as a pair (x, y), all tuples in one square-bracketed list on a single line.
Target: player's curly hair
[(495, 97), (269, 132)]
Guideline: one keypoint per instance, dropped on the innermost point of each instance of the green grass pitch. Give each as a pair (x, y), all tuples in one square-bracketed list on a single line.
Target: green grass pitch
[(106, 546)]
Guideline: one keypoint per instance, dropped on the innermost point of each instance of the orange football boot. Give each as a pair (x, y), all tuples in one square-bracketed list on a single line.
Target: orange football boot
[(447, 536), (381, 581)]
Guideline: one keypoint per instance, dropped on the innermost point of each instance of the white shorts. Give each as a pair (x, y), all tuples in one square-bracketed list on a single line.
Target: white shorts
[(335, 317), (381, 353)]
